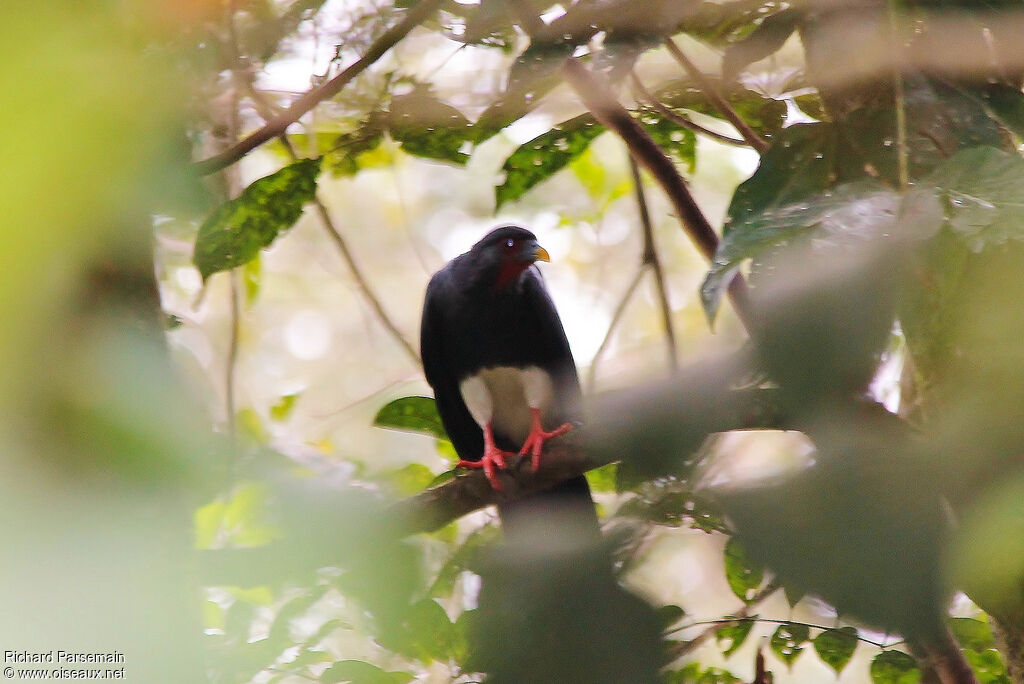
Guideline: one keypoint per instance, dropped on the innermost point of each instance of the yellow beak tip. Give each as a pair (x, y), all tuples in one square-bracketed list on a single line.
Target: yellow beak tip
[(542, 255)]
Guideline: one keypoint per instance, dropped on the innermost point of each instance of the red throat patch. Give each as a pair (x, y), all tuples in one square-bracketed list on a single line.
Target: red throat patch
[(510, 270)]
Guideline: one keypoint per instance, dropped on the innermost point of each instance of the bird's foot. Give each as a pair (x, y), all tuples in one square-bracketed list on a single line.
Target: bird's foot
[(492, 459), (534, 443)]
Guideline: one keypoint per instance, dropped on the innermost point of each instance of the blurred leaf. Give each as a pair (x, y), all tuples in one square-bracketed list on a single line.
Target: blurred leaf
[(743, 575), (988, 666), (694, 674), (425, 633), (670, 615), (545, 155), (894, 667), (246, 516), (427, 127), (413, 414), (679, 143), (735, 634), (408, 480), (1007, 104), (294, 608), (671, 503), (284, 407), (467, 557), (349, 150), (811, 105), (603, 479), (787, 640), (971, 633), (250, 426), (360, 672), (237, 230), (445, 449), (985, 190), (835, 647), (251, 279), (764, 114), (254, 596), (765, 40)]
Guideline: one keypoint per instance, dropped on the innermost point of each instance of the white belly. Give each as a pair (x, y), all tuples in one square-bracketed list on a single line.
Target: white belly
[(503, 397)]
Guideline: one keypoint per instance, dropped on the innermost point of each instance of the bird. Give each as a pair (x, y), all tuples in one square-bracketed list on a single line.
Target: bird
[(497, 357)]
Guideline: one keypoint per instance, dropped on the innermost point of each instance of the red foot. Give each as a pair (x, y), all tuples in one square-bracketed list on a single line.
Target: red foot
[(493, 456), (535, 440)]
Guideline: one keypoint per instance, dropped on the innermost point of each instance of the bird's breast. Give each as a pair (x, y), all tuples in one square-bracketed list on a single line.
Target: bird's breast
[(504, 395)]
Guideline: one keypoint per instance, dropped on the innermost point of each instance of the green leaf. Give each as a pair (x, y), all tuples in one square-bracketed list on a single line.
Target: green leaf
[(426, 633), (1007, 104), (679, 143), (694, 674), (734, 635), (412, 414), (603, 479), (765, 40), (988, 666), (466, 557), (427, 127), (349, 150), (409, 479), (835, 647), (742, 574), (670, 615), (251, 273), (764, 114), (894, 667), (360, 672), (851, 213), (787, 641), (545, 155), (971, 633), (284, 407), (984, 188), (238, 229)]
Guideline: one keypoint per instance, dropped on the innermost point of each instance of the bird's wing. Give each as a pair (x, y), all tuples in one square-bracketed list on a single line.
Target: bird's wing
[(558, 362), (462, 430)]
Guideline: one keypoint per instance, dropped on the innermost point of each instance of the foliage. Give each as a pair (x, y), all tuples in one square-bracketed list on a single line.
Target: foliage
[(886, 230)]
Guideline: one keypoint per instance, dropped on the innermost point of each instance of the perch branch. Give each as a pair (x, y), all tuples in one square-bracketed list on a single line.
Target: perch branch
[(709, 89), (280, 123)]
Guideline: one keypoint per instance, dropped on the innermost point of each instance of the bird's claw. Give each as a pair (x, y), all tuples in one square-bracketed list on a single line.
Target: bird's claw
[(492, 459), (534, 443)]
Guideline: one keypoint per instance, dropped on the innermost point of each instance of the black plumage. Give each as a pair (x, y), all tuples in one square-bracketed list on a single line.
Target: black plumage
[(489, 322)]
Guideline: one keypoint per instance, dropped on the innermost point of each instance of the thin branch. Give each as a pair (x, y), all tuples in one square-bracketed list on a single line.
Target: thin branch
[(597, 96), (266, 111), (718, 623), (277, 125), (682, 648), (616, 317), (709, 89), (900, 102), (678, 119), (650, 258)]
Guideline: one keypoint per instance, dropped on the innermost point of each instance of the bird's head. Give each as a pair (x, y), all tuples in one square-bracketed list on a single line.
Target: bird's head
[(506, 252)]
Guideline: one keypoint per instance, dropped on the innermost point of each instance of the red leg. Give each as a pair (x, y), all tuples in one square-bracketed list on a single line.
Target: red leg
[(535, 440), (493, 456)]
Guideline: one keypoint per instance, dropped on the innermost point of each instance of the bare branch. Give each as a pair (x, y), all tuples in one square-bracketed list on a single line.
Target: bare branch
[(650, 258), (616, 317), (597, 96), (709, 89), (682, 648), (277, 125), (678, 119)]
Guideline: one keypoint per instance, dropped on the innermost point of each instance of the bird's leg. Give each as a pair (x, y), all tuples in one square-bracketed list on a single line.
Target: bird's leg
[(493, 456), (535, 440)]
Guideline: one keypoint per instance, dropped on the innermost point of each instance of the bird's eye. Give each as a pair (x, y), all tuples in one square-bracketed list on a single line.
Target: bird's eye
[(510, 243)]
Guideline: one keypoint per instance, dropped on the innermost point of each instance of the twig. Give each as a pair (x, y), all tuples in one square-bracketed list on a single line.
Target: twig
[(650, 258), (597, 96), (266, 111), (677, 651), (901, 110), (280, 123), (720, 622), (616, 316), (709, 89), (677, 118)]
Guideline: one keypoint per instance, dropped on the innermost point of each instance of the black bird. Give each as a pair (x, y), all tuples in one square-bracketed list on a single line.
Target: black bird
[(497, 357)]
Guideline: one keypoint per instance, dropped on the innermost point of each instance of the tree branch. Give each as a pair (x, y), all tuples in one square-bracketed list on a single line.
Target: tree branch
[(280, 123), (677, 118), (616, 317), (650, 258), (597, 96), (709, 89)]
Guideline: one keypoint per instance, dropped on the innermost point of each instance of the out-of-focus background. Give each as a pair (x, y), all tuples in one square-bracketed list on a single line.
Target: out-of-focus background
[(199, 464)]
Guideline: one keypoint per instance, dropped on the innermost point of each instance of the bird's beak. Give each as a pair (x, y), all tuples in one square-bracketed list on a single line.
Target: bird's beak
[(541, 254)]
